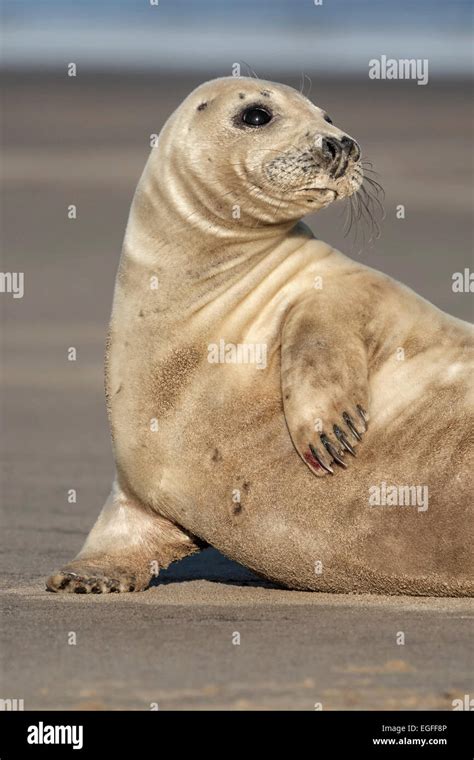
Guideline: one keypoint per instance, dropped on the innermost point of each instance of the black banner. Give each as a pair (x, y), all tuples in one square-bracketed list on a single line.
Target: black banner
[(375, 734)]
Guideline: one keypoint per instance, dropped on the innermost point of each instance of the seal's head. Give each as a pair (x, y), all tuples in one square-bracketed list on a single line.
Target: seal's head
[(261, 145)]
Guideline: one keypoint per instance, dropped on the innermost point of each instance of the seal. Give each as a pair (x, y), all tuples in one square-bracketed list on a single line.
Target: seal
[(306, 415)]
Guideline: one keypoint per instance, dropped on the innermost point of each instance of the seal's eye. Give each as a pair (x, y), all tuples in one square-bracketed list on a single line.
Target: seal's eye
[(256, 117), (326, 118)]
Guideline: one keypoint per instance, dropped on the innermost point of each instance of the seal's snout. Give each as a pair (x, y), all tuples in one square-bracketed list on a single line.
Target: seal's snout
[(338, 153)]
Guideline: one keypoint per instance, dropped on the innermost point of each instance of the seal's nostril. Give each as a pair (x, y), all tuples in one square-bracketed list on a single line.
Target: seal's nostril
[(332, 146), (355, 151), (351, 148)]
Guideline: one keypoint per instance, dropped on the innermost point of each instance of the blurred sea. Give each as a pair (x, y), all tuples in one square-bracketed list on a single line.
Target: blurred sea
[(339, 36)]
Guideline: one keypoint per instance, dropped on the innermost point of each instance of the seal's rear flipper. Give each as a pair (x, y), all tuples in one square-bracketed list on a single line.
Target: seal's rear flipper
[(128, 545)]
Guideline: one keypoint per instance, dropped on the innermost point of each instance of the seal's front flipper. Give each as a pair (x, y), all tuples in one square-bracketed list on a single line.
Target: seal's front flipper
[(324, 374), (128, 545)]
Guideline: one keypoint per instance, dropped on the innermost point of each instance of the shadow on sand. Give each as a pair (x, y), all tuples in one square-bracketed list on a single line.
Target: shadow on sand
[(210, 565)]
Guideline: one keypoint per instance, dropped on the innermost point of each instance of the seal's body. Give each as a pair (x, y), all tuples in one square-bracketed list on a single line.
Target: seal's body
[(245, 359)]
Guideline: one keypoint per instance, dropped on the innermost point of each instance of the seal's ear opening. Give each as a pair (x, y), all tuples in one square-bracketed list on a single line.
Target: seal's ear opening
[(204, 104)]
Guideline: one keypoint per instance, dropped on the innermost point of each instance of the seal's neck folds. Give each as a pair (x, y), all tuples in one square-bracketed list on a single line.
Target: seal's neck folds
[(181, 208), (179, 243)]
